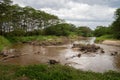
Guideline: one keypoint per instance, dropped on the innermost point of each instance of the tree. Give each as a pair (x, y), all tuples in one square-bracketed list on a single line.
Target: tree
[(24, 19), (102, 30), (116, 24), (62, 29), (4, 15), (84, 31)]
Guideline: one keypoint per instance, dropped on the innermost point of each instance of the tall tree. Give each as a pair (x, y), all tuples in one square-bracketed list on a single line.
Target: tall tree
[(4, 15), (116, 24), (26, 19)]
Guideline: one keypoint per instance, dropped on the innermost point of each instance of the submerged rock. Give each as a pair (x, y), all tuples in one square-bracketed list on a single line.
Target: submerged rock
[(53, 61), (77, 45), (6, 52), (102, 51), (79, 55), (87, 48), (114, 53)]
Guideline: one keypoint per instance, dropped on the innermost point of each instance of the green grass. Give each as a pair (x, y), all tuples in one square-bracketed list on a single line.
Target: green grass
[(4, 42), (8, 41), (31, 38), (52, 72), (104, 37)]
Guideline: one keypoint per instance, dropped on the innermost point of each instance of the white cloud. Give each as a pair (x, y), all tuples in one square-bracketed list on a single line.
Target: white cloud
[(20, 2), (79, 13)]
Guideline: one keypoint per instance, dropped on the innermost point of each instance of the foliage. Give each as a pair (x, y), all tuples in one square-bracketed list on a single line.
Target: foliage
[(15, 19), (63, 29), (102, 30), (7, 72), (27, 21), (104, 37), (31, 38), (84, 31), (52, 72), (8, 41), (3, 42), (113, 29), (116, 24)]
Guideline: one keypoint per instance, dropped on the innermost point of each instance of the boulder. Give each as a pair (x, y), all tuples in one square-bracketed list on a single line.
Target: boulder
[(53, 61), (79, 55), (87, 48), (114, 53)]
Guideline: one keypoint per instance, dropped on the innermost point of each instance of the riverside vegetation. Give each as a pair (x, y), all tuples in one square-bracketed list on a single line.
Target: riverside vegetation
[(52, 72), (25, 24)]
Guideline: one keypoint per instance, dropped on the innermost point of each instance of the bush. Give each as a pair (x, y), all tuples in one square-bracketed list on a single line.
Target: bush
[(60, 29), (16, 32), (104, 37), (3, 42), (84, 31), (102, 30)]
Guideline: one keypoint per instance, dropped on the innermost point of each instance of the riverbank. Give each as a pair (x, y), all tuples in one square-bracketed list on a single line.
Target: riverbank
[(112, 42), (52, 72), (36, 40), (4, 42), (108, 40), (104, 37), (44, 71)]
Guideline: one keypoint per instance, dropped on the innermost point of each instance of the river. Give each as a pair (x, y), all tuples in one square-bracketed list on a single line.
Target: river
[(96, 62)]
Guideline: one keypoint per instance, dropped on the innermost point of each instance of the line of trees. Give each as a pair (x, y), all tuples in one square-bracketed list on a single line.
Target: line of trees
[(14, 18), (27, 21), (113, 29), (116, 24)]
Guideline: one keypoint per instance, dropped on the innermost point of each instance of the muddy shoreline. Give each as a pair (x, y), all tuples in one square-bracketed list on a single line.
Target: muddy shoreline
[(17, 50), (55, 42), (112, 42)]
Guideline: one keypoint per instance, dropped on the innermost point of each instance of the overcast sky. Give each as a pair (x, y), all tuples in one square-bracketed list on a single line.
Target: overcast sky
[(79, 12)]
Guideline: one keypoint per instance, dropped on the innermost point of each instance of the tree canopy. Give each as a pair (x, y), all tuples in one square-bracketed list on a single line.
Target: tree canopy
[(84, 31), (27, 19), (116, 24), (102, 30), (63, 29)]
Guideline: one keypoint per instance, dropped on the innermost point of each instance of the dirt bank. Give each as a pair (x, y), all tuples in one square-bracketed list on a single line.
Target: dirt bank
[(112, 42), (57, 41)]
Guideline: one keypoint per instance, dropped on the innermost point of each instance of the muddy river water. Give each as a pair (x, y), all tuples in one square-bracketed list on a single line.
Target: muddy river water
[(94, 61)]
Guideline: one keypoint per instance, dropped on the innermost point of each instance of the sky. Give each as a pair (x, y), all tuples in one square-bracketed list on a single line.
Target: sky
[(89, 13)]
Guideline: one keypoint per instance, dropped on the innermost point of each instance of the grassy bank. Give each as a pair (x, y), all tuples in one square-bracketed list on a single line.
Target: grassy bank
[(4, 42), (53, 72), (7, 41), (104, 37), (39, 38), (31, 38)]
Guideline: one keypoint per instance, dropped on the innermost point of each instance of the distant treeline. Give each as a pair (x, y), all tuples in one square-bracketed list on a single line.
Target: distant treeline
[(27, 21), (113, 30)]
